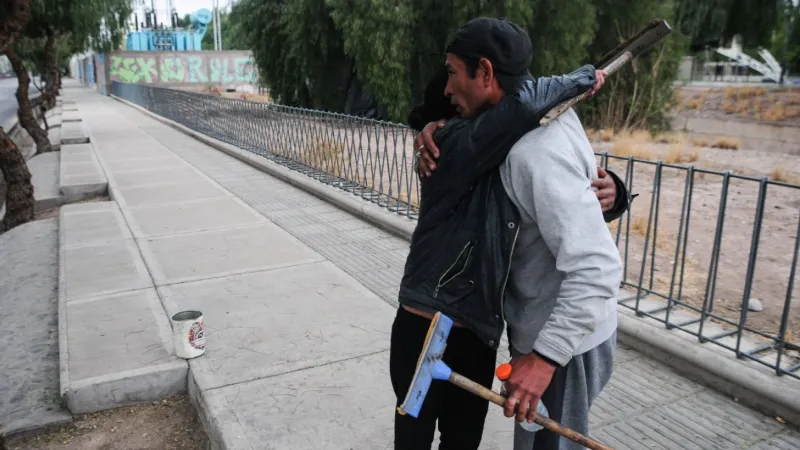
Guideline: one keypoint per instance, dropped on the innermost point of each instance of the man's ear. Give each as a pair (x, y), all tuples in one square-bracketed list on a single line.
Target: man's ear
[(487, 71)]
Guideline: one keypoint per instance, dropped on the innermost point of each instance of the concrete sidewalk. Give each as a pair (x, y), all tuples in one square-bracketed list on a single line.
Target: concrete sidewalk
[(298, 299)]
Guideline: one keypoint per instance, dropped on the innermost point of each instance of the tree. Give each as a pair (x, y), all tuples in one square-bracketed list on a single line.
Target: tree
[(184, 22), (561, 32), (637, 96), (231, 34), (713, 23), (340, 55), (27, 118), (377, 35), (786, 39), (84, 24), (14, 15), (298, 51)]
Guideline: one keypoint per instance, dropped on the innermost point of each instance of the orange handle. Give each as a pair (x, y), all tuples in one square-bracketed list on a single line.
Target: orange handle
[(503, 371)]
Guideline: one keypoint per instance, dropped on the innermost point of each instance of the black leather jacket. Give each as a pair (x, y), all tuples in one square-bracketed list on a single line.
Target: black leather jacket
[(461, 249)]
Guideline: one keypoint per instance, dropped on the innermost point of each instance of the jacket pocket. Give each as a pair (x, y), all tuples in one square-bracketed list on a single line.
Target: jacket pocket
[(458, 266)]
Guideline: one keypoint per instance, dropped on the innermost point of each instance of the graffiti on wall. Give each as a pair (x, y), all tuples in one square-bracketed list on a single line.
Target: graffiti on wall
[(181, 68), (133, 70)]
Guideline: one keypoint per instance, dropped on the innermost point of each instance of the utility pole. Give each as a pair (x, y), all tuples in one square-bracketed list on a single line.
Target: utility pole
[(214, 21), (217, 24), (218, 27), (789, 9)]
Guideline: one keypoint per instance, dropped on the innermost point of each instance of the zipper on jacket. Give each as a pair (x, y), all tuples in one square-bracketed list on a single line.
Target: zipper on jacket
[(468, 246), (508, 272)]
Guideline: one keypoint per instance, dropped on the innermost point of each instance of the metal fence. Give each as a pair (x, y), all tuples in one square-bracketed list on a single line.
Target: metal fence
[(697, 245)]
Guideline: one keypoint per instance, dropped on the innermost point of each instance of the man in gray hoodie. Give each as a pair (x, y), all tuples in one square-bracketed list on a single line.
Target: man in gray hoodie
[(560, 303), (562, 294)]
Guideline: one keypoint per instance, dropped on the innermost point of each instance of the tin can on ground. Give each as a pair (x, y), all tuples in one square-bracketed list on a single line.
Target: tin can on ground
[(188, 336)]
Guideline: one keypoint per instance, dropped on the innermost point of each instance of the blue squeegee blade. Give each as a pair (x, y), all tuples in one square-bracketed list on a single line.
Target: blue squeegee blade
[(429, 366)]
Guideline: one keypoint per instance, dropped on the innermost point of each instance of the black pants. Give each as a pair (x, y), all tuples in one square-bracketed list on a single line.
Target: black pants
[(461, 414)]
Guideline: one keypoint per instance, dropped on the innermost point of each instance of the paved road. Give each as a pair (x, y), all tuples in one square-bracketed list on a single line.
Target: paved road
[(290, 290), (8, 101)]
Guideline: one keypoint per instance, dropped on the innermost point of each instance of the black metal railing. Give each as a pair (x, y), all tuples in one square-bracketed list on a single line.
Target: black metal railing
[(365, 157), (698, 245)]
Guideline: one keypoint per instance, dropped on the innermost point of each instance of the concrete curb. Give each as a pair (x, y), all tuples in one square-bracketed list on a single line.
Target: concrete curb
[(225, 431), (125, 388), (80, 175), (63, 333), (10, 124), (752, 386)]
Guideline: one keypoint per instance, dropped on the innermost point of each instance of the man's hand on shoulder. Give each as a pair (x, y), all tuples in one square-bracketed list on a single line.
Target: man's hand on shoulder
[(606, 189), (530, 376), (425, 149)]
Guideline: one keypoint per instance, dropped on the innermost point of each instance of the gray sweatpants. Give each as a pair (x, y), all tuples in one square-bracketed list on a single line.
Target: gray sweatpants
[(569, 397)]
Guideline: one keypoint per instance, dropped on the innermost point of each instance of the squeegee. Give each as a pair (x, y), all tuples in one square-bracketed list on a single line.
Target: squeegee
[(430, 367)]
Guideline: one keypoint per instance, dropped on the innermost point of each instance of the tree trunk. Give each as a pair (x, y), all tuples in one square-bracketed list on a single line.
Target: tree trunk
[(50, 70), (26, 115), (19, 13), (19, 190)]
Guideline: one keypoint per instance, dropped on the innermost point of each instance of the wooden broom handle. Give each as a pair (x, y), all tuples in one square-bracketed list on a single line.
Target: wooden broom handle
[(546, 422), (563, 107)]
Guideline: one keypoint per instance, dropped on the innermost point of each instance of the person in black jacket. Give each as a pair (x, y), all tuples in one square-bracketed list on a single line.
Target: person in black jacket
[(460, 252), (436, 108)]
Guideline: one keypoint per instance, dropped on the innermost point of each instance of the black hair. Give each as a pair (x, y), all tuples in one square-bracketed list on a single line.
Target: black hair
[(471, 64), (436, 105)]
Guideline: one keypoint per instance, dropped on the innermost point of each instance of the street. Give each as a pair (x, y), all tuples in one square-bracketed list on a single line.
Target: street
[(8, 101)]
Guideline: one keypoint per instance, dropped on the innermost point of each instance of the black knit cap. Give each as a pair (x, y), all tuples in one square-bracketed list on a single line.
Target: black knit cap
[(504, 43)]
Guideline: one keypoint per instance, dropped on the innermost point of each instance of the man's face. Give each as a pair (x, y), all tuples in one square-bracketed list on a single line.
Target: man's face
[(469, 94)]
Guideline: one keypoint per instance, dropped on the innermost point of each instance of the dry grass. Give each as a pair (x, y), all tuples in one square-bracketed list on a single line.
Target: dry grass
[(324, 154), (744, 92), (637, 144), (727, 143), (671, 138), (760, 104), (781, 175), (321, 154), (699, 142), (600, 135), (779, 112), (750, 103), (213, 90), (695, 102), (680, 154), (248, 96), (736, 107), (404, 197), (638, 227)]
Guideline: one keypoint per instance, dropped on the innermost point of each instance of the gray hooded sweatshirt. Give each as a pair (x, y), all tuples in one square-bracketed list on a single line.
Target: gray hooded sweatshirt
[(566, 271)]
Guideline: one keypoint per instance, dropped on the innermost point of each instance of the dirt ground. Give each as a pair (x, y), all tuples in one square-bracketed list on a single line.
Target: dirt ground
[(166, 425), (776, 242), (741, 103), (239, 94)]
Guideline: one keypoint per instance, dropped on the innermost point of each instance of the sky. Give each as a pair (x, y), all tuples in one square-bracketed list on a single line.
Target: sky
[(182, 6)]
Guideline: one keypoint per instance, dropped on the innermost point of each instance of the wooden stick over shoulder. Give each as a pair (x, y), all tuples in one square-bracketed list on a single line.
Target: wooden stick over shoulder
[(627, 51)]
